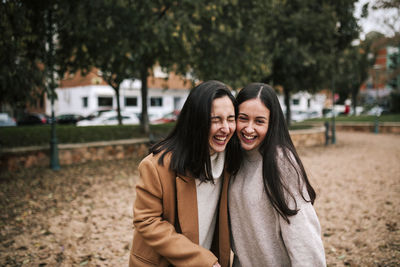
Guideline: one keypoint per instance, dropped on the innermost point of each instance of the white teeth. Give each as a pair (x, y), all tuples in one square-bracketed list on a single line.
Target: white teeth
[(220, 138), (249, 136)]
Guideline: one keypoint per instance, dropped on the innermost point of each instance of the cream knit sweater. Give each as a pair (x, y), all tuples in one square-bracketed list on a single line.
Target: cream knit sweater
[(207, 200), (260, 236)]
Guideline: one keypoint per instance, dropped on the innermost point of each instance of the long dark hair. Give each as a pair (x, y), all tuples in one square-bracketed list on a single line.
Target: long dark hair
[(277, 143), (188, 141)]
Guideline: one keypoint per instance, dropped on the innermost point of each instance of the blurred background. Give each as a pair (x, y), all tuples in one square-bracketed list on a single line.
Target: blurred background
[(82, 59), (88, 85)]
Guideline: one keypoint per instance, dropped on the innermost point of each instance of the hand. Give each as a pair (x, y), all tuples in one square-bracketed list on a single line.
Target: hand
[(216, 264)]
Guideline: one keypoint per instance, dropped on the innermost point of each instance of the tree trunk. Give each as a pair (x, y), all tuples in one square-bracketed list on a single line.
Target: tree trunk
[(354, 95), (116, 89), (144, 118), (287, 104)]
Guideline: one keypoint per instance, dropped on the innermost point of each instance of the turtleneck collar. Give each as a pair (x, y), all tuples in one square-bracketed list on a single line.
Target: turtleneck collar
[(252, 155), (217, 164)]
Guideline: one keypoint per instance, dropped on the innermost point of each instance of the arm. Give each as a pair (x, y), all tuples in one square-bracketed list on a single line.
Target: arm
[(157, 232), (302, 237)]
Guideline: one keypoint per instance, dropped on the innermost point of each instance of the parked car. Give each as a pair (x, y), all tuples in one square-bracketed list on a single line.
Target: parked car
[(152, 116), (68, 118), (6, 120), (111, 118), (97, 113), (298, 116), (169, 117), (34, 119), (375, 111)]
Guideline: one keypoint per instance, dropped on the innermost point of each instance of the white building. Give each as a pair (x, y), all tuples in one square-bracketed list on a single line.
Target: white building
[(84, 95), (305, 102)]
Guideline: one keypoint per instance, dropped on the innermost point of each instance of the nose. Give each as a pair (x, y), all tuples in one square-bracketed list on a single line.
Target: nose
[(249, 128), (225, 127)]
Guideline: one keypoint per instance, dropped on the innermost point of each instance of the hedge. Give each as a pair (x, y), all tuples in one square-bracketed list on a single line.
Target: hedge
[(69, 134), (66, 134)]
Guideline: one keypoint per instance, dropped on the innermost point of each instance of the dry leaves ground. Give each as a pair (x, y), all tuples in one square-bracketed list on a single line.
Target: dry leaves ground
[(82, 215)]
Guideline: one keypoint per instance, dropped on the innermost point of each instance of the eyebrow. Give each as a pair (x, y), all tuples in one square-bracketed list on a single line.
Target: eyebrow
[(218, 117), (258, 117)]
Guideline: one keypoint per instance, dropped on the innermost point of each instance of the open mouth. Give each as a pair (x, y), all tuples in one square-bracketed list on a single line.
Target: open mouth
[(220, 140), (248, 138)]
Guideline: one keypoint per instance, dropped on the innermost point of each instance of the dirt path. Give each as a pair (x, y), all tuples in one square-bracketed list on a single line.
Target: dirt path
[(82, 215), (358, 187)]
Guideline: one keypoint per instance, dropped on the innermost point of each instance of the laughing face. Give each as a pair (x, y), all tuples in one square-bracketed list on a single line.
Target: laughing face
[(252, 123), (222, 124)]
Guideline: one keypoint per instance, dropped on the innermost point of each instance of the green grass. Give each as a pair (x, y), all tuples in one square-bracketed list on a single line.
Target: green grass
[(362, 118), (67, 134), (299, 127)]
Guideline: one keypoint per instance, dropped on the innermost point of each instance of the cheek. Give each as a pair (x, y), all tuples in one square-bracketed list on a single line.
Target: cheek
[(263, 132), (212, 131), (239, 127), (232, 127)]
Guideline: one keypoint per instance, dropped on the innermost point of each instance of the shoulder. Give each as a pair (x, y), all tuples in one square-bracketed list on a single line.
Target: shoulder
[(291, 174), (286, 161), (152, 163), (154, 159)]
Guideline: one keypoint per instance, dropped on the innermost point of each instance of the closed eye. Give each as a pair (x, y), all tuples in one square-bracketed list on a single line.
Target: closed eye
[(243, 118), (231, 118)]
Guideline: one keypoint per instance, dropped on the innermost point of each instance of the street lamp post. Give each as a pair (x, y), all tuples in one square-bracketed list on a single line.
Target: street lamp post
[(54, 162), (376, 122), (333, 137)]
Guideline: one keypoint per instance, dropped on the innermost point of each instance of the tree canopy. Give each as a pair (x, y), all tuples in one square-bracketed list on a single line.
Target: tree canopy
[(287, 43)]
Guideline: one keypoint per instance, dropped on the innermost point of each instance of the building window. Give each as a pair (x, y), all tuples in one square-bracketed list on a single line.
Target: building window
[(177, 102), (156, 101), (130, 101), (295, 101), (85, 101), (308, 103), (105, 101)]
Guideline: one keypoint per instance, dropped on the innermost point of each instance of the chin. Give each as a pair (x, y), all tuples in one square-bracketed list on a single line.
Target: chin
[(247, 147), (218, 149)]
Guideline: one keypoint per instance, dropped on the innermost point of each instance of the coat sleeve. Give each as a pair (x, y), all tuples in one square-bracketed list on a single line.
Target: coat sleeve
[(157, 232), (302, 236)]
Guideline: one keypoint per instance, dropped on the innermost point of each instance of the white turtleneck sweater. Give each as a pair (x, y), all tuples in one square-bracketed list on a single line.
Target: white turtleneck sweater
[(260, 236), (207, 200)]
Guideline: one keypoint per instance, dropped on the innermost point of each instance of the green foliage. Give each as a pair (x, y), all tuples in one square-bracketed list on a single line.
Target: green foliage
[(21, 51), (352, 68), (303, 39), (225, 41), (67, 134), (286, 43), (394, 70), (395, 102)]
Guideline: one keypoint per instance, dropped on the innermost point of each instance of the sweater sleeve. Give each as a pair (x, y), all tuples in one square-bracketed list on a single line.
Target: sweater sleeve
[(159, 233), (302, 236)]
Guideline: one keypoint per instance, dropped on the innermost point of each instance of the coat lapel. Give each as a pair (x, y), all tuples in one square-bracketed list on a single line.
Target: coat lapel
[(224, 242), (187, 207)]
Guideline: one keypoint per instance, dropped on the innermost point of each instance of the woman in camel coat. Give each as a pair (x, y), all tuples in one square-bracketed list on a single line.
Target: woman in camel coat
[(180, 212)]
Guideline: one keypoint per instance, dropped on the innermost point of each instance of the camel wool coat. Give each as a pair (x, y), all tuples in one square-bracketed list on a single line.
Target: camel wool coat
[(166, 220)]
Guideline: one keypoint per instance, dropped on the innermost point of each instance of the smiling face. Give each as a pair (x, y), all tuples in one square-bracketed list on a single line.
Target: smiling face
[(222, 124), (252, 123)]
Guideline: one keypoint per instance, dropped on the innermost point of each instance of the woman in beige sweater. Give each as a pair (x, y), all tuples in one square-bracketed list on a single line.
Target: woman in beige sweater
[(273, 222)]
